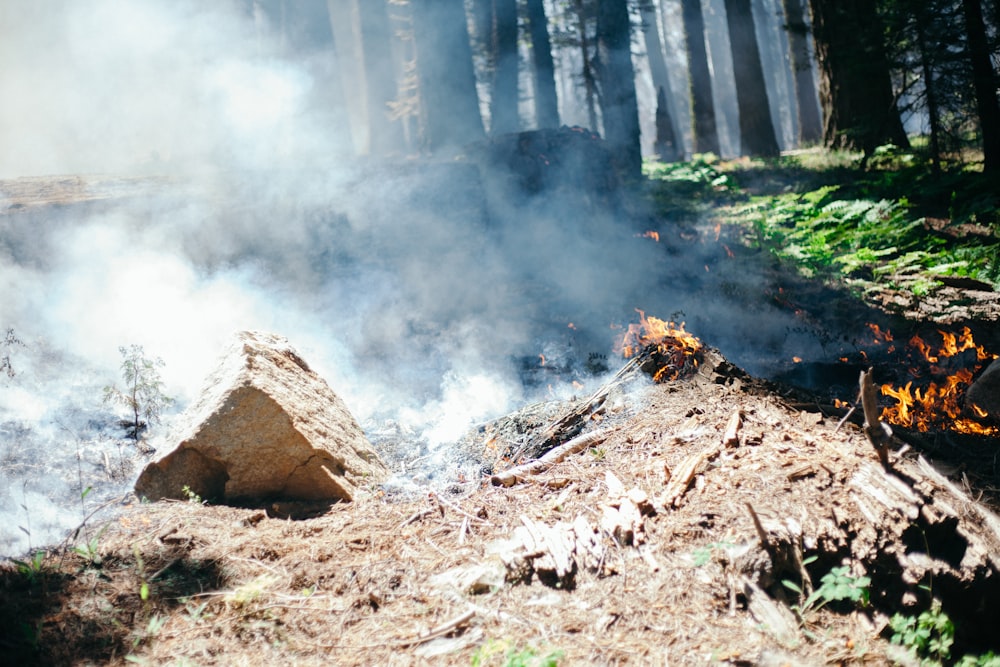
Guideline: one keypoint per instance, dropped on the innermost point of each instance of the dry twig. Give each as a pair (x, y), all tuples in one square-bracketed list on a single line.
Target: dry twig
[(512, 476), (878, 432), (440, 630)]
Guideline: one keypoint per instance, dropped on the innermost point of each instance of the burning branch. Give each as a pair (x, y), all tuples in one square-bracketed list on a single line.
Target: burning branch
[(667, 349)]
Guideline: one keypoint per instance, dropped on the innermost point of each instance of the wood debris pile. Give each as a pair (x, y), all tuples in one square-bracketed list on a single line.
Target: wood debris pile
[(556, 552)]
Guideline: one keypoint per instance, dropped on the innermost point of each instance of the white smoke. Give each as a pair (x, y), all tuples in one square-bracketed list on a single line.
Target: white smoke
[(398, 283)]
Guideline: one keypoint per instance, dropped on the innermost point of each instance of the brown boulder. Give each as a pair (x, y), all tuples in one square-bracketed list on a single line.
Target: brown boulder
[(265, 427)]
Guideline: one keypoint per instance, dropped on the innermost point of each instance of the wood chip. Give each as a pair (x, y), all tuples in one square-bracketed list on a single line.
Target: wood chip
[(682, 477), (731, 436)]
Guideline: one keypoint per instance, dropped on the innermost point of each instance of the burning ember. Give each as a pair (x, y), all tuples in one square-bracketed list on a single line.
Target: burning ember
[(672, 351), (938, 404)]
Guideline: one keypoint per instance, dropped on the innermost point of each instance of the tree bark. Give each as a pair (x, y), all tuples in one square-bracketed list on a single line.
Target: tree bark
[(930, 87), (449, 104), (546, 100), (619, 107), (810, 119), (385, 135), (504, 116), (666, 146), (757, 135), (985, 81), (855, 86), (706, 135), (589, 83), (666, 133)]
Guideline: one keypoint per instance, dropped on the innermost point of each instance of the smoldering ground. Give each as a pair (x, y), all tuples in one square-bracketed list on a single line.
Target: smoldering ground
[(417, 288)]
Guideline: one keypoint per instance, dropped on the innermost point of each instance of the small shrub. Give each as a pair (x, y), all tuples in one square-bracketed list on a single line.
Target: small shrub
[(837, 585), (143, 393)]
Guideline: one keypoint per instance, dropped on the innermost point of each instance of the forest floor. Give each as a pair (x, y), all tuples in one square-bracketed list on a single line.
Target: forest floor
[(712, 463)]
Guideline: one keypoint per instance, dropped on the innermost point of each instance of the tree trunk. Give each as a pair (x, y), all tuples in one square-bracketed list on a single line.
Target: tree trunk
[(666, 139), (930, 87), (706, 135), (619, 108), (985, 81), (757, 136), (810, 120), (449, 104), (666, 133), (385, 134), (855, 86), (589, 84), (504, 117), (546, 101)]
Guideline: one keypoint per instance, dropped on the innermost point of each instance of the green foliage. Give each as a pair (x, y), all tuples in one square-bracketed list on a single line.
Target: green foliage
[(152, 629), (837, 585), (988, 659), (143, 393), (928, 636), (191, 495), (500, 652), (702, 555), (33, 568), (863, 240), (683, 189), (89, 549)]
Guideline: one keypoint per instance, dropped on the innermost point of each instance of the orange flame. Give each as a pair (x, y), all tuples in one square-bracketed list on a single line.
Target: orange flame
[(940, 404), (676, 348), (880, 336)]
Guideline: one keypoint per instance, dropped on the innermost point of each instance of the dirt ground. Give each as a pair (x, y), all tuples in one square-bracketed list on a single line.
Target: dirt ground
[(747, 485), (371, 581)]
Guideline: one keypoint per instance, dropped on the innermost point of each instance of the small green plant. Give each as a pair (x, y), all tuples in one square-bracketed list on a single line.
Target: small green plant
[(32, 568), (988, 659), (140, 567), (143, 393), (191, 495), (928, 636), (702, 555), (153, 628), (501, 652), (195, 612), (89, 549), (835, 586)]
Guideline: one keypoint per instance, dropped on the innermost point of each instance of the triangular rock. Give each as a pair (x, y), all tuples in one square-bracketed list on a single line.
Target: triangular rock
[(265, 427)]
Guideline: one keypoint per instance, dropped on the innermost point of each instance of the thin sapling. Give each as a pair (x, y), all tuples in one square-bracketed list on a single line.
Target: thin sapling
[(142, 394)]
